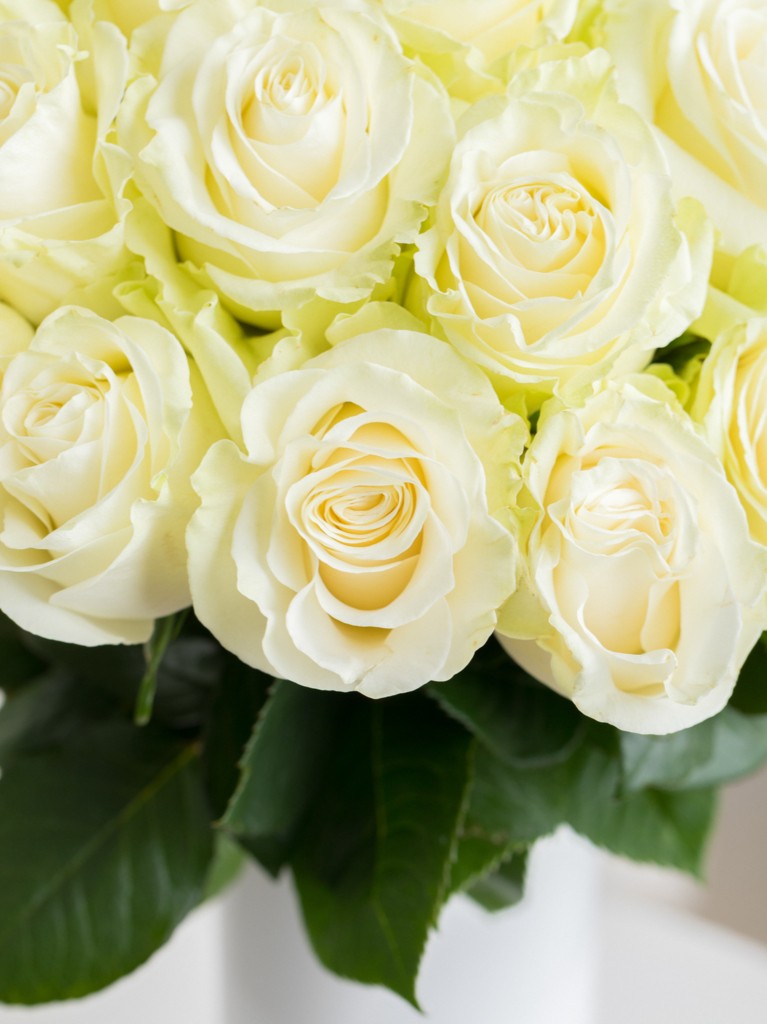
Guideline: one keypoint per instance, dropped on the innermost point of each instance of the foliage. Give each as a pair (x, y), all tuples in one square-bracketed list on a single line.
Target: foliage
[(110, 831)]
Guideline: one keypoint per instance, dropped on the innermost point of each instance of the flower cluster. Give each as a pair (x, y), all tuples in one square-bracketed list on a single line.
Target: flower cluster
[(368, 328)]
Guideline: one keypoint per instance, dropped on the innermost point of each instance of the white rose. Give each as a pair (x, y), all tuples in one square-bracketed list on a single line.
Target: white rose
[(650, 592), (697, 69), (60, 236), (467, 41), (555, 257), (97, 441), (128, 15), (15, 330), (730, 400), (289, 150), (353, 545)]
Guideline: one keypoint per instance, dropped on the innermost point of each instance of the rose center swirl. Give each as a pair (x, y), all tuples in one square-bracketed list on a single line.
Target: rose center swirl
[(623, 519), (366, 514), (540, 211), (621, 504), (289, 84), (48, 417)]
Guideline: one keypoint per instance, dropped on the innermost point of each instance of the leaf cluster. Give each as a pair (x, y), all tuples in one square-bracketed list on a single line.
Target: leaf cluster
[(111, 831)]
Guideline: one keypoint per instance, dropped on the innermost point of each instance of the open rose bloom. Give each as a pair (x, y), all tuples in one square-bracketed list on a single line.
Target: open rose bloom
[(641, 561), (355, 536), (290, 152), (383, 420)]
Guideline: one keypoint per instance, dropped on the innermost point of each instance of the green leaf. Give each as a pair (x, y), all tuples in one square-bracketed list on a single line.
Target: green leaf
[(281, 770), (105, 844), (522, 724), (237, 700), (718, 750), (516, 805), (476, 855), (19, 664), (654, 826), (373, 863), (48, 711), (518, 719), (682, 350), (185, 680), (750, 693), (116, 669), (503, 887), (228, 861)]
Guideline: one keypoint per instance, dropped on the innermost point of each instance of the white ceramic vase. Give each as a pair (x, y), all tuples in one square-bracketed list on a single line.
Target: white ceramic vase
[(533, 964)]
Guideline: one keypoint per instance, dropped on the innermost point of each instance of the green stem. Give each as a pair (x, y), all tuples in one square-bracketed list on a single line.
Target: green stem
[(165, 632)]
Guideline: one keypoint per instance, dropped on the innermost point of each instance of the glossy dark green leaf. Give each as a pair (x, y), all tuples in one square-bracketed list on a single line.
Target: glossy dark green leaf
[(281, 769), (17, 663), (653, 825), (117, 669), (181, 688), (750, 694), (718, 750), (373, 862), (518, 805), (238, 698), (187, 678), (49, 710), (477, 853), (514, 716), (105, 844)]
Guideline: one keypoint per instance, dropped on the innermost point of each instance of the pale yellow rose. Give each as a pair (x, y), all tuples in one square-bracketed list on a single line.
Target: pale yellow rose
[(644, 593), (291, 151), (60, 232), (127, 15), (97, 442), (696, 68), (16, 332), (226, 353), (730, 396), (354, 544), (556, 256), (467, 42)]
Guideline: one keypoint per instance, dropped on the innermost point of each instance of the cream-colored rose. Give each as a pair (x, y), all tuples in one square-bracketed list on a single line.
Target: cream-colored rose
[(60, 236), (467, 41), (354, 544), (649, 593), (97, 442), (127, 15), (697, 69), (730, 402), (15, 330), (290, 150), (556, 257)]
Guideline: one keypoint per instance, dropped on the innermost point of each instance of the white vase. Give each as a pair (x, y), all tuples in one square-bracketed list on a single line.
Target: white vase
[(533, 964)]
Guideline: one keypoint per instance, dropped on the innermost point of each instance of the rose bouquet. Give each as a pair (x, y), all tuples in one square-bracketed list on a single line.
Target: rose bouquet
[(335, 338)]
